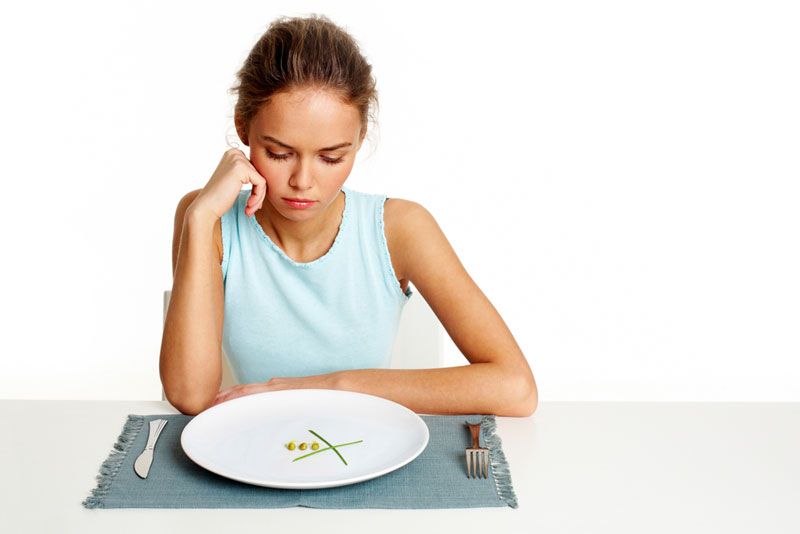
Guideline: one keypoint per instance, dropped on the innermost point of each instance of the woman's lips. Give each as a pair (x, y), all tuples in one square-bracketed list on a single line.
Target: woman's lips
[(299, 204)]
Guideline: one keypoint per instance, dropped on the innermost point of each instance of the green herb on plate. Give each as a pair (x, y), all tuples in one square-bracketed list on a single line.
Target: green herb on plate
[(326, 449), (329, 445)]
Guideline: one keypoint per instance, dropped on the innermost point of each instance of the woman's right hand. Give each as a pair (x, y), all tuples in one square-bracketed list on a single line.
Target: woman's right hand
[(221, 191)]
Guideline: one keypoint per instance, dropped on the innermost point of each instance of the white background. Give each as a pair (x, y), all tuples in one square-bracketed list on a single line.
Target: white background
[(619, 178)]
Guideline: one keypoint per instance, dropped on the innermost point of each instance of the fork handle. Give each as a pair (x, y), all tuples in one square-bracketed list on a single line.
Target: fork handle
[(475, 430)]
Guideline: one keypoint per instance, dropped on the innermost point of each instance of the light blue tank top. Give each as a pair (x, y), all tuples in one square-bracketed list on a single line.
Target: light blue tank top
[(285, 318)]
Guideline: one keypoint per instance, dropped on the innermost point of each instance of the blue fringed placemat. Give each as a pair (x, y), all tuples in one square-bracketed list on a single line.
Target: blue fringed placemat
[(437, 478)]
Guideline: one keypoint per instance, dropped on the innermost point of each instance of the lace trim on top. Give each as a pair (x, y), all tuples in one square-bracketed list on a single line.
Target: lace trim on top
[(339, 236), (391, 276)]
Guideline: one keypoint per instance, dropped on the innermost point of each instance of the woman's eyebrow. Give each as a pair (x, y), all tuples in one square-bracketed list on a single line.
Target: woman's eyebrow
[(284, 145)]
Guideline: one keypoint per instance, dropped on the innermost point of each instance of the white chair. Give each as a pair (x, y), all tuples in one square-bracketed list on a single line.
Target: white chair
[(418, 344)]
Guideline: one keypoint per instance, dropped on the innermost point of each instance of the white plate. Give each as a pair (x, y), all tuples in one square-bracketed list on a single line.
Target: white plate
[(245, 438)]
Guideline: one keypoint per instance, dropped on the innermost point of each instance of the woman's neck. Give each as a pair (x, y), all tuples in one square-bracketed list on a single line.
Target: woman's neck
[(298, 239)]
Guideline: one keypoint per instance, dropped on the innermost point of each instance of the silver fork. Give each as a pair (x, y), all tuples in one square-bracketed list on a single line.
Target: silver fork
[(477, 456)]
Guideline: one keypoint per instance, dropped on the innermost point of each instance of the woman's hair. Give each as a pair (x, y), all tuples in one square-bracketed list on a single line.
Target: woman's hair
[(304, 52)]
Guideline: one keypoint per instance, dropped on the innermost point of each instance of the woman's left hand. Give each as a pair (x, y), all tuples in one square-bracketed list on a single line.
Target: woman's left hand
[(276, 384)]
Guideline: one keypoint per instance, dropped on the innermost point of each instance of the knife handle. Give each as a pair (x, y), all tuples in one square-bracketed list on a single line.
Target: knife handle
[(156, 426)]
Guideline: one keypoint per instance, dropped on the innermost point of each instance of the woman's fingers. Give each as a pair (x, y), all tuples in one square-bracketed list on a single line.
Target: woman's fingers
[(260, 187), (222, 393), (257, 194), (240, 390), (252, 202), (230, 393)]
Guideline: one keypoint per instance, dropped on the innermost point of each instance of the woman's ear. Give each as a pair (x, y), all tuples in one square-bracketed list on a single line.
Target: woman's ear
[(241, 129)]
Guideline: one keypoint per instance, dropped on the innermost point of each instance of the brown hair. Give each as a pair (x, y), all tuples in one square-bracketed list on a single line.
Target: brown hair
[(299, 53)]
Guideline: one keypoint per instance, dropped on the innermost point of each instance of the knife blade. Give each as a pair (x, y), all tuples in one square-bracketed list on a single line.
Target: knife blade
[(142, 463)]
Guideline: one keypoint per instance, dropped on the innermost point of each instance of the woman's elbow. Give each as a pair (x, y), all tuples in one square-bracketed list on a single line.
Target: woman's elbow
[(526, 399), (530, 403), (188, 406)]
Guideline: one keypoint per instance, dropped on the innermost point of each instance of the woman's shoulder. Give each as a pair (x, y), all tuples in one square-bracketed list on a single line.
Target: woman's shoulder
[(398, 214), (396, 208)]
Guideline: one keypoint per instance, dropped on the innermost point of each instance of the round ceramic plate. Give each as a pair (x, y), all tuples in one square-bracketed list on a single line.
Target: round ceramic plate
[(245, 438)]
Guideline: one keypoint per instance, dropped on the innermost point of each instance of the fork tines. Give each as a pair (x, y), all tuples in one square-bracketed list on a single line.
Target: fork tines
[(477, 456), (477, 461)]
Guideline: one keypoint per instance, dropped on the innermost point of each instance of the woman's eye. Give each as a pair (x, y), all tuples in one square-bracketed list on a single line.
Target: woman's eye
[(282, 157), (277, 156)]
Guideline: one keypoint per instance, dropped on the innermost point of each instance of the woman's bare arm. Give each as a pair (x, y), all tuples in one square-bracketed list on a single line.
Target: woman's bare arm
[(498, 378), (191, 347)]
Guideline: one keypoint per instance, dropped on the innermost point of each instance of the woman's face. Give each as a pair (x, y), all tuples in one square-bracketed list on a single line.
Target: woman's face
[(304, 144)]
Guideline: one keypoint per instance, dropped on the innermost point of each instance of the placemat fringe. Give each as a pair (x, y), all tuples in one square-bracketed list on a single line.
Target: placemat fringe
[(500, 468), (112, 464)]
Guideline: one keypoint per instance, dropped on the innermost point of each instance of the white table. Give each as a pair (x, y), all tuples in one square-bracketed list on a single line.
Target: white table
[(575, 466)]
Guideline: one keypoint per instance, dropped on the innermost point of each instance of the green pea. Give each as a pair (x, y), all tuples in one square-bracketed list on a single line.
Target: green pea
[(315, 446), (290, 446), (303, 446)]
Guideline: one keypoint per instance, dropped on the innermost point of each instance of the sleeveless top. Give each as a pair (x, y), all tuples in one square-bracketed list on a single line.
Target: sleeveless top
[(285, 318)]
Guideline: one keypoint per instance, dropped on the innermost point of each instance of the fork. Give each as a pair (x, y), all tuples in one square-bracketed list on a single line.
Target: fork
[(477, 456)]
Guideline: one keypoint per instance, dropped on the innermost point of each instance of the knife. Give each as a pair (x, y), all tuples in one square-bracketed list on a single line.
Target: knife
[(142, 463)]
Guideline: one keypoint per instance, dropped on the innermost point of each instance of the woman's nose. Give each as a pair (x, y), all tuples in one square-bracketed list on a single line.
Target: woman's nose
[(301, 177)]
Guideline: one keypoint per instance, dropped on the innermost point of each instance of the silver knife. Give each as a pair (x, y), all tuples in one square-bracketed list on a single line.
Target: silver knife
[(142, 463)]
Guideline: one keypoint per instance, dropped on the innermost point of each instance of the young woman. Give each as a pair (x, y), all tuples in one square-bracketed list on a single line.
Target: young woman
[(302, 280)]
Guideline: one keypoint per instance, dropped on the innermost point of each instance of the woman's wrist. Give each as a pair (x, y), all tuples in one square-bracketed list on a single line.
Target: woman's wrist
[(197, 216)]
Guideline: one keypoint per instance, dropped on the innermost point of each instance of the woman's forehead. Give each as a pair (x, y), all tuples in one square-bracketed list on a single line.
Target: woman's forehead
[(309, 120)]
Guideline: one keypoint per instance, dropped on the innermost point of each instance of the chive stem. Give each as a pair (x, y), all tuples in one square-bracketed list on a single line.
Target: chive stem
[(331, 446), (325, 449)]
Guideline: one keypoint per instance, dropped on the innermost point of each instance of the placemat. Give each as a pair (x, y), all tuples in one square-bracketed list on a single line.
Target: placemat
[(437, 478)]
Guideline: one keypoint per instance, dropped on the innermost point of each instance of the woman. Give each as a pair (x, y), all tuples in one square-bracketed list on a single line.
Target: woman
[(311, 275)]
